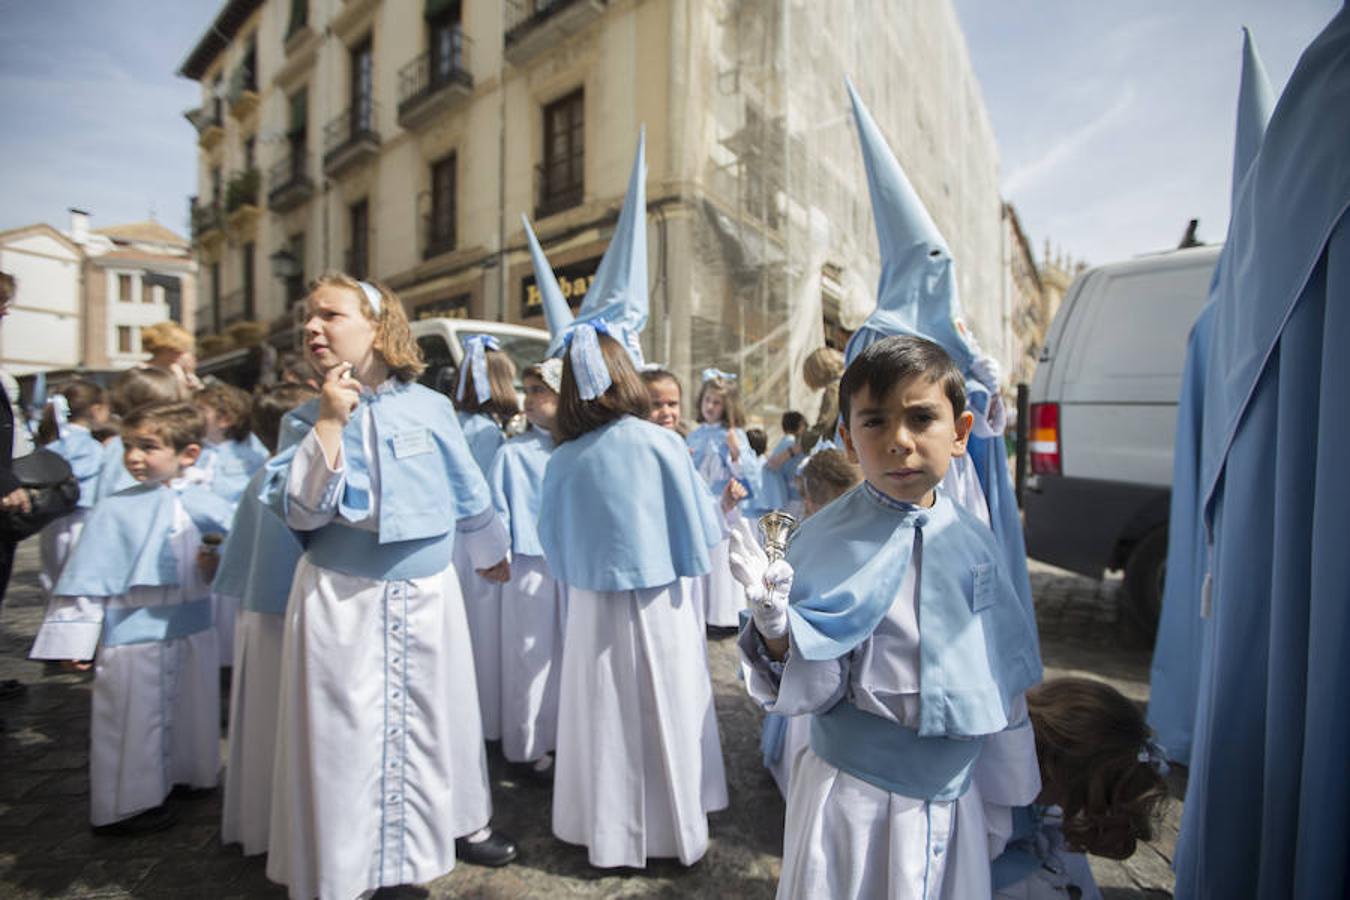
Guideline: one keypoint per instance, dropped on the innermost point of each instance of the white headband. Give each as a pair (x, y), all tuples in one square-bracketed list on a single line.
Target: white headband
[(372, 294)]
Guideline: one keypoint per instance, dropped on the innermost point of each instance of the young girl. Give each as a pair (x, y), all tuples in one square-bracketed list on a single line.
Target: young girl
[(1102, 791), (133, 389), (232, 453), (379, 760), (626, 524), (532, 604), (257, 564), (665, 394), (821, 371), (485, 399), (66, 429), (721, 454)]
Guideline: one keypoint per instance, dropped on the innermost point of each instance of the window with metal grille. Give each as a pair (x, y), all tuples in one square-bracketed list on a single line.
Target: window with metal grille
[(441, 223), (564, 154)]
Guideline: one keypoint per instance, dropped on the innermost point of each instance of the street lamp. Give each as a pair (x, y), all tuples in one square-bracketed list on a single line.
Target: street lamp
[(284, 265)]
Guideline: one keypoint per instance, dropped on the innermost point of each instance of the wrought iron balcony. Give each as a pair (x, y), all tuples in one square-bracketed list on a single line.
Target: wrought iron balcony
[(533, 26), (351, 138), (289, 184), (435, 82), (209, 120), (206, 220), (437, 239)]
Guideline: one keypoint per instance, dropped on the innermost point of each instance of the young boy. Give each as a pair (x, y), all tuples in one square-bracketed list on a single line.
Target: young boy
[(136, 589), (893, 624)]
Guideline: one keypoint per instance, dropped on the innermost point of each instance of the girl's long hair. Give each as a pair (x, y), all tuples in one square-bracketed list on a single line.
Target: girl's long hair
[(626, 396), (81, 396), (502, 403), (393, 335), (732, 415)]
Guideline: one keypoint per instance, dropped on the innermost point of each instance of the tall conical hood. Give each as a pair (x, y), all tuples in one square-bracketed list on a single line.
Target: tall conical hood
[(1255, 102), (618, 295), (917, 291), (556, 311)]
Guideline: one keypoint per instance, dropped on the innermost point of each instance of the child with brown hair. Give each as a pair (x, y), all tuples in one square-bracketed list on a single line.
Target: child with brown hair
[(232, 453), (133, 389), (67, 429), (627, 524), (135, 591), (665, 394), (1102, 791), (379, 762), (826, 475), (485, 399)]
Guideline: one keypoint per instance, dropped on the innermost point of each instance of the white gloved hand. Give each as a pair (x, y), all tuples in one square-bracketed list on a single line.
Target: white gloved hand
[(986, 370), (766, 584)]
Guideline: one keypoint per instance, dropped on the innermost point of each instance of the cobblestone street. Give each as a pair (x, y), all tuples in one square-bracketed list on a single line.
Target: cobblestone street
[(46, 849)]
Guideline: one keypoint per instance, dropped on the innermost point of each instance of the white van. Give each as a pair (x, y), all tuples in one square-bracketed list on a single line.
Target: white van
[(1102, 420), (442, 344)]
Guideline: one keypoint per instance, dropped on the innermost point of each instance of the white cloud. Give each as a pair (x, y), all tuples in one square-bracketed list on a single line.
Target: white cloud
[(1066, 148)]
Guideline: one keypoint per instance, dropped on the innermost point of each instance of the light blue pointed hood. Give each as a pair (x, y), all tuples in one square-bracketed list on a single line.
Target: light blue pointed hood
[(618, 295), (556, 311), (917, 292), (1256, 99)]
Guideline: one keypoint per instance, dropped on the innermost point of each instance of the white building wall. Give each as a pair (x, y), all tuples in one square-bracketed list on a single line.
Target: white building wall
[(42, 330)]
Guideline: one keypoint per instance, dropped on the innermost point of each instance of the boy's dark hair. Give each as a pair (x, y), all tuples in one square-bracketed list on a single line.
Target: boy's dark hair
[(271, 406), (792, 422), (896, 359), (1089, 740), (826, 475), (231, 402), (502, 403), (177, 424), (81, 396), (759, 441), (626, 396)]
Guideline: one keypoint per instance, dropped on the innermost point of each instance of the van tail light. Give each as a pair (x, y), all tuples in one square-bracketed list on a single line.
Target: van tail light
[(1044, 445)]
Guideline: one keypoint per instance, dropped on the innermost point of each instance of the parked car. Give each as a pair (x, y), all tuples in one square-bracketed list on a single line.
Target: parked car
[(442, 343), (1102, 421)]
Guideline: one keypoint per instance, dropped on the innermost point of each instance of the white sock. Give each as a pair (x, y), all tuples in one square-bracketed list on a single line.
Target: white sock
[(480, 835)]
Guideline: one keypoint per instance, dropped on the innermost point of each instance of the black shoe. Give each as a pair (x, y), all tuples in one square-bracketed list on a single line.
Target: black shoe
[(495, 850), (148, 822), (11, 689)]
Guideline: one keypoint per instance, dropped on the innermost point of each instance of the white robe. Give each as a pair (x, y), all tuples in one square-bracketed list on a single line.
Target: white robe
[(379, 762), (533, 614), (639, 760), (483, 611), (723, 596), (847, 838), (246, 808), (155, 712), (54, 544)]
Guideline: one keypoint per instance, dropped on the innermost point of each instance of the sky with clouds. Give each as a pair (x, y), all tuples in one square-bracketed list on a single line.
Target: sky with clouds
[(1114, 120)]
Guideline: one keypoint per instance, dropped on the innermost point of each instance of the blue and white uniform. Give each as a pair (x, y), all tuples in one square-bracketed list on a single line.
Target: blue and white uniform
[(85, 455), (626, 523), (532, 605), (379, 762), (131, 592), (723, 597), (900, 716)]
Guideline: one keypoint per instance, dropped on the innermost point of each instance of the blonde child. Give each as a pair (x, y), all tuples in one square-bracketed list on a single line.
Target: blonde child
[(379, 761), (485, 399), (722, 454), (135, 591), (257, 564), (67, 429), (533, 604)]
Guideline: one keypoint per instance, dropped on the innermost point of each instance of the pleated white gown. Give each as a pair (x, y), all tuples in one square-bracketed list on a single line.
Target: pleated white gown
[(639, 760), (723, 596), (533, 614), (482, 607)]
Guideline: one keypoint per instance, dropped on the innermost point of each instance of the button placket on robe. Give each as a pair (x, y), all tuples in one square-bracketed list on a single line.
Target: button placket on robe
[(395, 699)]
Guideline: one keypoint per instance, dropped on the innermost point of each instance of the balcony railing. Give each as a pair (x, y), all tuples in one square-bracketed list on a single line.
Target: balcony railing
[(552, 195), (206, 218), (434, 82), (242, 190), (532, 26), (437, 240), (351, 138), (289, 184)]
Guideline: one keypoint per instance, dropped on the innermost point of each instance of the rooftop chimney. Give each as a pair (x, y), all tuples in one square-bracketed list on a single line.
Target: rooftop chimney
[(79, 225)]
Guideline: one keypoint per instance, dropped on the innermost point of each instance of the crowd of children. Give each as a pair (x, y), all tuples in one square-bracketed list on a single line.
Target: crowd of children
[(401, 581)]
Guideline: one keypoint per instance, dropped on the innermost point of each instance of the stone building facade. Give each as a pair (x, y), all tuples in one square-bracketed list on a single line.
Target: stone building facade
[(404, 140)]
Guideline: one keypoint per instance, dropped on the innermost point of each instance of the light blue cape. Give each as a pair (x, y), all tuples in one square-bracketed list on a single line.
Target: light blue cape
[(85, 455), (483, 436), (1267, 810), (516, 478), (129, 546), (623, 509), (258, 560)]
